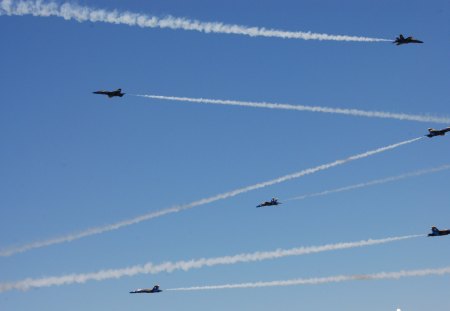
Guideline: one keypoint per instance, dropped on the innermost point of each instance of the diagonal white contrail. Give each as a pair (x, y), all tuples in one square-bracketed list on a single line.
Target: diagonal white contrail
[(324, 280), (79, 13), (175, 209), (186, 265), (343, 111), (373, 182)]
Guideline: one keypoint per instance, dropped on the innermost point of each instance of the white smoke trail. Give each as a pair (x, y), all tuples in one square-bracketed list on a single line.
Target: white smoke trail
[(150, 268), (372, 183), (344, 111), (324, 280), (83, 14), (175, 209)]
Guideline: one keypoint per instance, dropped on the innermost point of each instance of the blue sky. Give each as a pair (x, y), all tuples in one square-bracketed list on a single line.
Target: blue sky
[(72, 160)]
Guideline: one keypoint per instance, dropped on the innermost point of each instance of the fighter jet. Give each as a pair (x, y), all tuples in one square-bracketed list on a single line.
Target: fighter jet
[(433, 132), (402, 40), (155, 289), (436, 232), (272, 202), (111, 94)]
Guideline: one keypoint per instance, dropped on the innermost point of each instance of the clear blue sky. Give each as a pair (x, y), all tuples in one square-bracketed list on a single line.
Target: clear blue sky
[(71, 160)]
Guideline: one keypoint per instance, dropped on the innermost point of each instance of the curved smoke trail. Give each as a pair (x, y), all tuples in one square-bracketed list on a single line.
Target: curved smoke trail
[(344, 111), (175, 209), (150, 268), (79, 13)]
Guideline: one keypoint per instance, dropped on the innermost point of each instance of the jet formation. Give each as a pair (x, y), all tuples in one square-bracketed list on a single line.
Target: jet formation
[(153, 290), (436, 232), (402, 40), (272, 202), (433, 132), (110, 94)]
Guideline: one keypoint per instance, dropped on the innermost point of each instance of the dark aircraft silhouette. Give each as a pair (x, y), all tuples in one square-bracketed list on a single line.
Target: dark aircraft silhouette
[(402, 40), (433, 132), (436, 232), (111, 94), (155, 289), (272, 202)]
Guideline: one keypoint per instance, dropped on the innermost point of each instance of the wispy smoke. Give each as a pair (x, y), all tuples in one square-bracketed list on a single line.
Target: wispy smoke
[(373, 182), (324, 280), (150, 268), (70, 11), (344, 111), (175, 209)]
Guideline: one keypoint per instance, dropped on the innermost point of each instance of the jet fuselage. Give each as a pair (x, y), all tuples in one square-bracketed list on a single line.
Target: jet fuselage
[(433, 132), (153, 290), (436, 232), (402, 40), (110, 94)]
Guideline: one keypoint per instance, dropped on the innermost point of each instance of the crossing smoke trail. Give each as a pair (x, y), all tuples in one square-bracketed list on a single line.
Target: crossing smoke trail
[(70, 11), (373, 182), (175, 209), (150, 268), (350, 112), (324, 280)]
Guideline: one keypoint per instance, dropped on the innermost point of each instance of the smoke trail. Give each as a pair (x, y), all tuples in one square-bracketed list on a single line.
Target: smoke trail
[(83, 14), (324, 280), (373, 182), (150, 268), (175, 209), (351, 112)]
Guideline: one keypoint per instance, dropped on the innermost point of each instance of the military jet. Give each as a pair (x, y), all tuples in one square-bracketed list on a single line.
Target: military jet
[(111, 94), (436, 232), (155, 289), (402, 40), (272, 202), (433, 132)]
